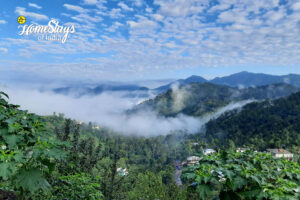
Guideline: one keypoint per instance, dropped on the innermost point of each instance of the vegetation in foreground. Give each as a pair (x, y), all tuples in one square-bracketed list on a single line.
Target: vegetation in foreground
[(239, 176)]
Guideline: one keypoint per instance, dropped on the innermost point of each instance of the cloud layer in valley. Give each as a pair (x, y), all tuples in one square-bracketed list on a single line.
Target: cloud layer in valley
[(107, 110)]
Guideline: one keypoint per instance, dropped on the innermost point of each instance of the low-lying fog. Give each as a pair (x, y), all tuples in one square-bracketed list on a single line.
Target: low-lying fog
[(107, 109)]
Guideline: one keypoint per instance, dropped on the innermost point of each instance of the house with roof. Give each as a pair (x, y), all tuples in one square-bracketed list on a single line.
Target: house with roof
[(191, 160), (208, 151), (281, 153), (241, 150), (122, 171), (96, 127)]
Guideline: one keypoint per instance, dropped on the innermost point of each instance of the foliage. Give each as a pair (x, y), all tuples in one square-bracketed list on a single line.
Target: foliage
[(100, 153), (77, 186), (149, 186), (27, 153), (242, 176)]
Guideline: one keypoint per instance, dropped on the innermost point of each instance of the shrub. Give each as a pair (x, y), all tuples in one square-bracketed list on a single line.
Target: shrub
[(246, 175)]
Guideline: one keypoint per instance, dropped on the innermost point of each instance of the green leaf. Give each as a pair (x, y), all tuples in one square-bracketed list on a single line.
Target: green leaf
[(256, 179), (4, 94), (190, 176), (204, 191), (31, 180), (12, 139), (253, 194), (238, 182), (10, 121), (229, 174), (18, 157), (3, 131), (6, 170)]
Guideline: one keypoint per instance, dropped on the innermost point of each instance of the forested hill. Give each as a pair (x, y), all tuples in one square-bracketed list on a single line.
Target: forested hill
[(197, 99), (261, 125)]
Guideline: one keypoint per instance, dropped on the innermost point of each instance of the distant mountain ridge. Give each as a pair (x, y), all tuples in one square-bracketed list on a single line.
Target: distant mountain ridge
[(241, 79), (80, 91), (248, 79)]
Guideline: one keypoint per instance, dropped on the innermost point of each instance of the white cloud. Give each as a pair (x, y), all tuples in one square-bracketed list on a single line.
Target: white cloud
[(87, 18), (34, 5), (179, 8), (107, 109), (221, 6), (114, 27), (149, 10), (157, 17), (2, 21), (239, 33), (124, 6), (35, 16), (75, 8), (142, 24), (90, 2), (3, 50), (296, 6), (115, 13), (138, 3), (232, 16)]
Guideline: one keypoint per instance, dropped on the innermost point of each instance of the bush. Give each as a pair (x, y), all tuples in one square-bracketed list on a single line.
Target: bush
[(27, 154), (77, 186), (246, 175)]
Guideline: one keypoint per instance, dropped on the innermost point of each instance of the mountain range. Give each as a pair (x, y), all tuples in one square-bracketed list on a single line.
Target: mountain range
[(131, 90), (240, 80)]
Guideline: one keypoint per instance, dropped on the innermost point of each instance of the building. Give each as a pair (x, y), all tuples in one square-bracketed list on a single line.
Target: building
[(241, 150), (122, 171), (192, 160), (208, 151), (281, 153), (96, 127)]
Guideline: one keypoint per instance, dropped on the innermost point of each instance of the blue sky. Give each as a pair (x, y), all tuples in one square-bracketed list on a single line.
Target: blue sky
[(140, 40)]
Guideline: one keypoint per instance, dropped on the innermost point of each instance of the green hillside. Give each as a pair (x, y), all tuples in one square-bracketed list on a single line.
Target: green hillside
[(266, 124), (197, 99)]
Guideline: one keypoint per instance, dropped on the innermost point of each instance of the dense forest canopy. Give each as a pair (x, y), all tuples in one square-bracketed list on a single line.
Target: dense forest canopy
[(260, 125)]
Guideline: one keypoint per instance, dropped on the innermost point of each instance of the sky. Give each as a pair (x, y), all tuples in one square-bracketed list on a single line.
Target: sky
[(150, 39)]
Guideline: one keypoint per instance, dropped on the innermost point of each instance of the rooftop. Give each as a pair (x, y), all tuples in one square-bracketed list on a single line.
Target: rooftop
[(278, 151)]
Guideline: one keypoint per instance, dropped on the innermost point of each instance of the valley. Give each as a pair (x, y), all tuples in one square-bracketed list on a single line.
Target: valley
[(112, 164)]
